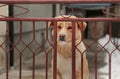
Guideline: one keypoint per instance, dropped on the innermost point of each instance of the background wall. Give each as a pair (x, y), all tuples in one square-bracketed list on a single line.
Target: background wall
[(3, 11), (27, 33)]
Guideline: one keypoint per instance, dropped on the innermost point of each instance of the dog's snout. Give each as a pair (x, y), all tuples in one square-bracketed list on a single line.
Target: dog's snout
[(62, 37)]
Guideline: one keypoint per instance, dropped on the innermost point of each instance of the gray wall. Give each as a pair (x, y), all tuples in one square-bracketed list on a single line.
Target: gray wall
[(27, 32), (3, 11)]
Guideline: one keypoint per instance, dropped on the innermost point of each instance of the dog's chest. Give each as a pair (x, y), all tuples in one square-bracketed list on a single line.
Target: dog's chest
[(65, 66)]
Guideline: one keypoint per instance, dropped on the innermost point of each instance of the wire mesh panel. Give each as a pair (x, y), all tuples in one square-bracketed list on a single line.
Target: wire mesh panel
[(59, 49)]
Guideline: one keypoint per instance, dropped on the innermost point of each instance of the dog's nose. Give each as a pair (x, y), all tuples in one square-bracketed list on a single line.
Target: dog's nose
[(62, 37)]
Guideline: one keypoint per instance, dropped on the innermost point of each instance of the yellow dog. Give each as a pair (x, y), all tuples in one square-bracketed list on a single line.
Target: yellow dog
[(64, 49)]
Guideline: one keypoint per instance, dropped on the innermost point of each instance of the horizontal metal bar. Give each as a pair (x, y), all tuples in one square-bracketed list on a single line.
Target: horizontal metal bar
[(56, 1), (60, 19)]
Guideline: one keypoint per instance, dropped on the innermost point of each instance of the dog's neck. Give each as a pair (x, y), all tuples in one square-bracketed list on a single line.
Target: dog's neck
[(64, 49)]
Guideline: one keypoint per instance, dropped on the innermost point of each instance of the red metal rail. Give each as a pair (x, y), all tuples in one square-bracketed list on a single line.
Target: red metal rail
[(56, 1), (65, 19)]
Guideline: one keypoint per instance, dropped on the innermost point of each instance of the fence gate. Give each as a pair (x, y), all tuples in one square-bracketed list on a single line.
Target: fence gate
[(28, 45)]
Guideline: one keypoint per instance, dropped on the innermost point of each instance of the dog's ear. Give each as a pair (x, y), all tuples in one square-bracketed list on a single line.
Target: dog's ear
[(82, 25), (50, 24)]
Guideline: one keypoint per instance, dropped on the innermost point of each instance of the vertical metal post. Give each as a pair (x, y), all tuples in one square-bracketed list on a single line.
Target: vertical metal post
[(33, 61), (55, 51), (20, 53), (110, 54), (73, 51), (11, 36), (54, 10)]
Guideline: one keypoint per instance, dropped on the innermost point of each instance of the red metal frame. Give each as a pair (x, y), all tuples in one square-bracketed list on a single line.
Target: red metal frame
[(55, 44), (55, 1), (33, 20)]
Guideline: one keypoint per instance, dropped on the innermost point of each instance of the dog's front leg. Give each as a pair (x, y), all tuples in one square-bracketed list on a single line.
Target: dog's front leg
[(58, 75)]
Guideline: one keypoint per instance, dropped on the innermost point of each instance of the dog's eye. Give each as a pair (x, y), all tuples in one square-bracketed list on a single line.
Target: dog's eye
[(59, 27), (69, 27)]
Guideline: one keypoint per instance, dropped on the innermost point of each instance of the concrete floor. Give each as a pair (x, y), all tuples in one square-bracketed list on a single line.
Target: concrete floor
[(40, 72)]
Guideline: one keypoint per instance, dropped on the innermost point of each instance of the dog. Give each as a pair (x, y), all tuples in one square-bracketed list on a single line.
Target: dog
[(64, 49)]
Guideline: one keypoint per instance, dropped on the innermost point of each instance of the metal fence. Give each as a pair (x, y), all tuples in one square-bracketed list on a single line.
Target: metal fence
[(101, 53)]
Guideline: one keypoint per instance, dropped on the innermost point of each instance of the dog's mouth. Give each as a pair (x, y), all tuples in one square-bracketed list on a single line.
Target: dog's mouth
[(64, 41)]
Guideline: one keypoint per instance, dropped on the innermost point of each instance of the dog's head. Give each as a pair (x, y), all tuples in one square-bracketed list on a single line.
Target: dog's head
[(64, 29)]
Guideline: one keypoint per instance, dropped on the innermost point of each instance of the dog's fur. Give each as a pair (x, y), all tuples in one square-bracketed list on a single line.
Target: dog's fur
[(64, 49)]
